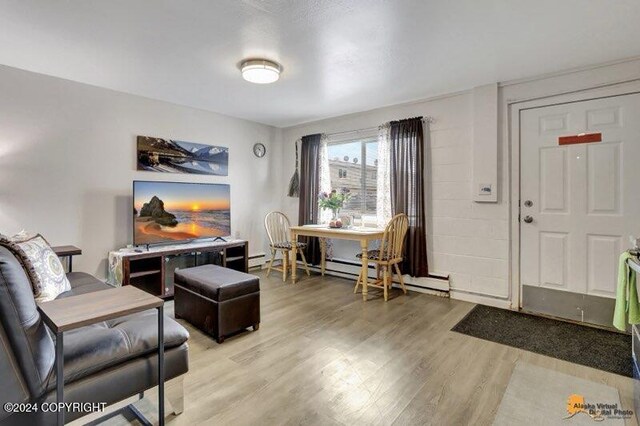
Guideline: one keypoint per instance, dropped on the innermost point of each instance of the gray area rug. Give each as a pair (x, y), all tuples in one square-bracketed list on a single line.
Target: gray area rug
[(539, 396), (596, 348)]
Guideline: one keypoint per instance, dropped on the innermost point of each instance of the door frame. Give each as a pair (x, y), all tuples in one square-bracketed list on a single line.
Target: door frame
[(514, 111)]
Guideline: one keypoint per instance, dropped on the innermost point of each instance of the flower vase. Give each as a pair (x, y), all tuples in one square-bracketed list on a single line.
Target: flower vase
[(335, 219)]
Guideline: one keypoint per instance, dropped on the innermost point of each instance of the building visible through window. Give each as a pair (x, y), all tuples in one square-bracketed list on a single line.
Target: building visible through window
[(354, 165)]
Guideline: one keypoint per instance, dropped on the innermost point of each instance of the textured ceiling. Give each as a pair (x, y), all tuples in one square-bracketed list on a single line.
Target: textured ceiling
[(338, 56)]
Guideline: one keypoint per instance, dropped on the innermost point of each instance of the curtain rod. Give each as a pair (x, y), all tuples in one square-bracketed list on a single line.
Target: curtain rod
[(369, 129)]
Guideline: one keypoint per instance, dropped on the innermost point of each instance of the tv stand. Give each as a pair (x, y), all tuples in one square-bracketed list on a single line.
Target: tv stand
[(219, 239), (152, 270)]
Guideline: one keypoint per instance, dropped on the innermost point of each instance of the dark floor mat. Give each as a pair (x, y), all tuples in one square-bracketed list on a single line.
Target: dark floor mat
[(601, 349)]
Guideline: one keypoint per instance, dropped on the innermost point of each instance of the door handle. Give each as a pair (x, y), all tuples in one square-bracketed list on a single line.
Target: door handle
[(528, 219)]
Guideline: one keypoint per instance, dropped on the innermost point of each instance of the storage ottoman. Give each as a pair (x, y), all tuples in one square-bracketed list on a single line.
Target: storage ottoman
[(217, 300)]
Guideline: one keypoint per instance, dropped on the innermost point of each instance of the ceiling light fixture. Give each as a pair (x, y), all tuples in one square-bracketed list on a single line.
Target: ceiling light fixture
[(260, 71)]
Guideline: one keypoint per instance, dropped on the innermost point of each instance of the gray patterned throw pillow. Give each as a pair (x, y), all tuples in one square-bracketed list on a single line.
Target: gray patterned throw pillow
[(42, 265)]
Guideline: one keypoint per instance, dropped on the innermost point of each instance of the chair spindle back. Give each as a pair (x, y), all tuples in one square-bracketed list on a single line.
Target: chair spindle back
[(394, 235), (277, 226)]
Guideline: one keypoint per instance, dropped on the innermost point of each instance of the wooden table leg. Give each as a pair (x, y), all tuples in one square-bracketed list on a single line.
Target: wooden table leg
[(294, 252), (364, 245), (323, 255)]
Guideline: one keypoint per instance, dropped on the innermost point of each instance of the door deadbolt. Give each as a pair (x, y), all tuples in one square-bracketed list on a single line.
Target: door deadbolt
[(528, 203), (528, 219)]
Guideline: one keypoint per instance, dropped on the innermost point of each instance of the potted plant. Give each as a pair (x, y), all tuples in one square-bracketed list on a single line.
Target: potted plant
[(334, 201)]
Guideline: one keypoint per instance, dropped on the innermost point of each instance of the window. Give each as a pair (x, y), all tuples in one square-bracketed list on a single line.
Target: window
[(354, 165)]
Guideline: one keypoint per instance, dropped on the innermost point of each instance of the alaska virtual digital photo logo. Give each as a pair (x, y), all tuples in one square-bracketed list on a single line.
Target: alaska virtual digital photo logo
[(597, 411)]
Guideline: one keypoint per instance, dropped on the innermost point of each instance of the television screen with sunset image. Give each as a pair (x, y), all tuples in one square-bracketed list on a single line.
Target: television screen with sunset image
[(172, 212)]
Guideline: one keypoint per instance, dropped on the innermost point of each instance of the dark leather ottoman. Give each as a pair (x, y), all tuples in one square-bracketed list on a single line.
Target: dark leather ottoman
[(217, 300)]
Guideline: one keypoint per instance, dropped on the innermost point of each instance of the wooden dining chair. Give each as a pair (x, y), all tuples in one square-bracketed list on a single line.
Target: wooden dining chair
[(388, 255), (277, 225)]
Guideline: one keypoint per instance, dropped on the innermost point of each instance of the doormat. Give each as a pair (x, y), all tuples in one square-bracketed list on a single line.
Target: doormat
[(596, 348)]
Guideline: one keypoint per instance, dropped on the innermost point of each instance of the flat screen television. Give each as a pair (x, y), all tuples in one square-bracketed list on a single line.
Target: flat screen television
[(165, 212)]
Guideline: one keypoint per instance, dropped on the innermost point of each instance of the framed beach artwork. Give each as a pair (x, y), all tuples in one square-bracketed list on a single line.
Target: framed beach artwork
[(174, 156)]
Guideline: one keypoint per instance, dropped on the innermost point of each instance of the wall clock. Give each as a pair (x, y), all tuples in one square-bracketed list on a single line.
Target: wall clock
[(259, 150)]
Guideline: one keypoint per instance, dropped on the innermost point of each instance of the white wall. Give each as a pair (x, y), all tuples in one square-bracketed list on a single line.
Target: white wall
[(484, 181), (67, 161), (468, 240)]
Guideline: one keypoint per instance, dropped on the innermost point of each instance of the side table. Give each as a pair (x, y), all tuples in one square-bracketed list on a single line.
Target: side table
[(68, 252), (85, 309)]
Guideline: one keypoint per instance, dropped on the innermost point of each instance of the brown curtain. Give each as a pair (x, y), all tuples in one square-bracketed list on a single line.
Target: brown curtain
[(407, 190), (309, 190)]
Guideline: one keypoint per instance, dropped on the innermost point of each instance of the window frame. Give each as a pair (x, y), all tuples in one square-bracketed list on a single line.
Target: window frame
[(364, 140)]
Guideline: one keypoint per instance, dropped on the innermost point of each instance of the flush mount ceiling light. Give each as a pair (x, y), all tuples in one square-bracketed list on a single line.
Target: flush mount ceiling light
[(260, 71)]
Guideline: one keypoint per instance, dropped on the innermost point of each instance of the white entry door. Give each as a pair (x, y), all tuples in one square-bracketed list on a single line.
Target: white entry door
[(579, 203)]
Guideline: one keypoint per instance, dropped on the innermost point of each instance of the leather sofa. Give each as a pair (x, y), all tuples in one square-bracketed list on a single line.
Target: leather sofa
[(105, 362)]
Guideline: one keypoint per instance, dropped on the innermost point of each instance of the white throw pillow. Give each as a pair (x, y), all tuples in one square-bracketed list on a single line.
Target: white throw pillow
[(43, 266)]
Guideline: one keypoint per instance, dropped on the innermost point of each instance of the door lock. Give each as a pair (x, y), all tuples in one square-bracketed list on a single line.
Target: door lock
[(528, 219), (528, 203)]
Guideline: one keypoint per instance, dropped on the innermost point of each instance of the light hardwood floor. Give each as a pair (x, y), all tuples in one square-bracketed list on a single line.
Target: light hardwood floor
[(323, 356)]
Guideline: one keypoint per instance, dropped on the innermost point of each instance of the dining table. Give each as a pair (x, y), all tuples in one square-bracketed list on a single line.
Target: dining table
[(362, 234)]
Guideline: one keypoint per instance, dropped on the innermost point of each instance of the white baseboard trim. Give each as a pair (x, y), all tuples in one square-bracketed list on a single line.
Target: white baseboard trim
[(424, 290), (480, 299), (351, 270), (256, 260), (441, 285), (432, 286), (426, 285)]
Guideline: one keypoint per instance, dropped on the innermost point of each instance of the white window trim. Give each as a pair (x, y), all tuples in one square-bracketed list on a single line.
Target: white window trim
[(366, 220)]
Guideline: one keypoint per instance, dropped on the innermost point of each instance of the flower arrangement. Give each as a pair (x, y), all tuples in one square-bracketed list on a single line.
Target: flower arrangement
[(334, 201)]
